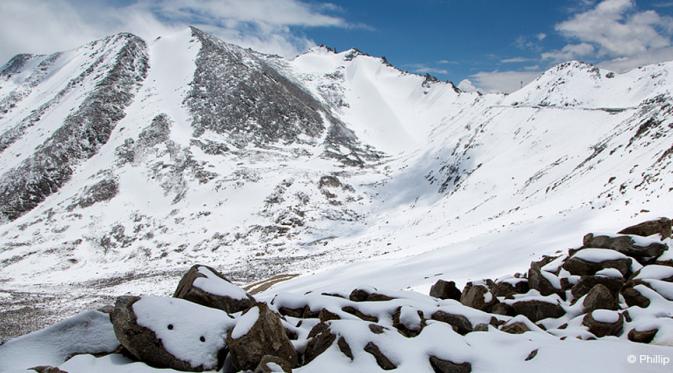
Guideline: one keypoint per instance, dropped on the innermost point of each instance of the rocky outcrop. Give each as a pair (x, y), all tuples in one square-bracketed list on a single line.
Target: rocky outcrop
[(599, 297), (602, 323), (661, 226), (478, 296), (445, 290), (625, 245)]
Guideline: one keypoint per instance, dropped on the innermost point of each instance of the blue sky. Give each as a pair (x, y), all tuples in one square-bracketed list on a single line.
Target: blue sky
[(495, 44)]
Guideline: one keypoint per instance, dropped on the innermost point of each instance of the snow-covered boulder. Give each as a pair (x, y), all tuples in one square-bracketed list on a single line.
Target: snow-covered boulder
[(604, 322), (259, 332), (90, 332), (478, 295), (172, 333), (445, 290), (205, 286), (587, 262), (633, 246), (599, 297), (273, 364)]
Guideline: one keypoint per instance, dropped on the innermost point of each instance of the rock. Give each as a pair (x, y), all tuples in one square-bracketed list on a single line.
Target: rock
[(515, 328), (446, 366), (536, 310), (603, 322), (354, 311), (537, 281), (207, 287), (445, 290), (507, 289), (502, 309), (634, 298), (329, 181), (344, 347), (599, 297), (326, 315), (625, 245), (586, 283), (376, 328), (273, 364), (582, 267), (264, 336), (381, 359), (47, 369), (145, 334), (661, 226), (645, 336), (482, 327), (531, 355), (362, 295), (477, 296), (320, 339), (408, 321)]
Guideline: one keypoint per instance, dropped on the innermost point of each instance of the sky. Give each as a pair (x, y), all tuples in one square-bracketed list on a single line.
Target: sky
[(496, 45)]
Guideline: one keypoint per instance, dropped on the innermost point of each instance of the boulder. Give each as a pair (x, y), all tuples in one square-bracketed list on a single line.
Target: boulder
[(634, 298), (602, 323), (320, 338), (273, 364), (661, 226), (356, 312), (587, 262), (364, 295), (515, 328), (445, 290), (538, 281), (382, 360), (625, 245), (507, 288), (408, 321), (645, 336), (445, 366), (459, 323), (207, 287), (47, 369), (257, 333), (536, 310), (162, 332), (586, 283), (502, 309), (326, 315), (478, 296), (599, 297)]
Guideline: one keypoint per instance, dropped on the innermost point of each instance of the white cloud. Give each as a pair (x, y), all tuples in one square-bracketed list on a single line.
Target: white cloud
[(569, 52), (623, 64), (515, 60), (36, 26), (541, 36), (617, 28), (426, 69), (503, 81)]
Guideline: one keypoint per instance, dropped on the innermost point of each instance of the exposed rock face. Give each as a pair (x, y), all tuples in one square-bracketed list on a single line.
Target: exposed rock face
[(600, 325), (207, 287), (661, 226), (273, 364), (644, 336), (81, 135), (515, 328), (445, 290), (320, 338), (446, 366), (381, 359), (408, 321), (537, 281), (625, 245), (599, 297), (142, 342), (581, 267), (586, 283), (265, 336), (47, 369), (634, 298), (363, 295), (537, 310), (507, 289)]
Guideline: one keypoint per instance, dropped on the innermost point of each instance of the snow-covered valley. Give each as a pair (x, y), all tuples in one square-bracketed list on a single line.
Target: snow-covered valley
[(125, 162)]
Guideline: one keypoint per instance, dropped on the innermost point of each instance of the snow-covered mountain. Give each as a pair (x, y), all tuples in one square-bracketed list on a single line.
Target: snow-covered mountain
[(132, 160)]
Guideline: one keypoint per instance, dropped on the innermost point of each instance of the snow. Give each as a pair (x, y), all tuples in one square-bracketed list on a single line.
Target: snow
[(599, 255), (188, 331), (605, 316), (87, 332), (609, 272), (409, 317), (655, 272), (215, 285), (245, 323)]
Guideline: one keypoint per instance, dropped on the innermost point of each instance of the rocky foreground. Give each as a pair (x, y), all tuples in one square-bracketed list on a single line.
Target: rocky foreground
[(615, 288)]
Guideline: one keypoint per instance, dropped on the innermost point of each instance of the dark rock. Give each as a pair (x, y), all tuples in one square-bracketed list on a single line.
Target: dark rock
[(599, 297), (269, 364), (376, 328), (482, 327), (503, 309), (445, 290), (625, 245), (329, 181), (325, 315), (404, 329), (361, 295), (354, 311), (661, 226), (344, 347), (602, 329), (187, 290), (538, 282), (531, 355), (515, 328), (645, 336), (474, 296), (536, 310), (459, 323), (294, 312), (506, 289), (381, 359), (634, 298), (586, 283), (47, 369), (265, 337), (580, 267), (446, 366), (320, 339), (142, 342)]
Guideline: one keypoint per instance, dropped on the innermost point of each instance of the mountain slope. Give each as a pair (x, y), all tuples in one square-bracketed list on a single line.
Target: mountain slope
[(126, 159)]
